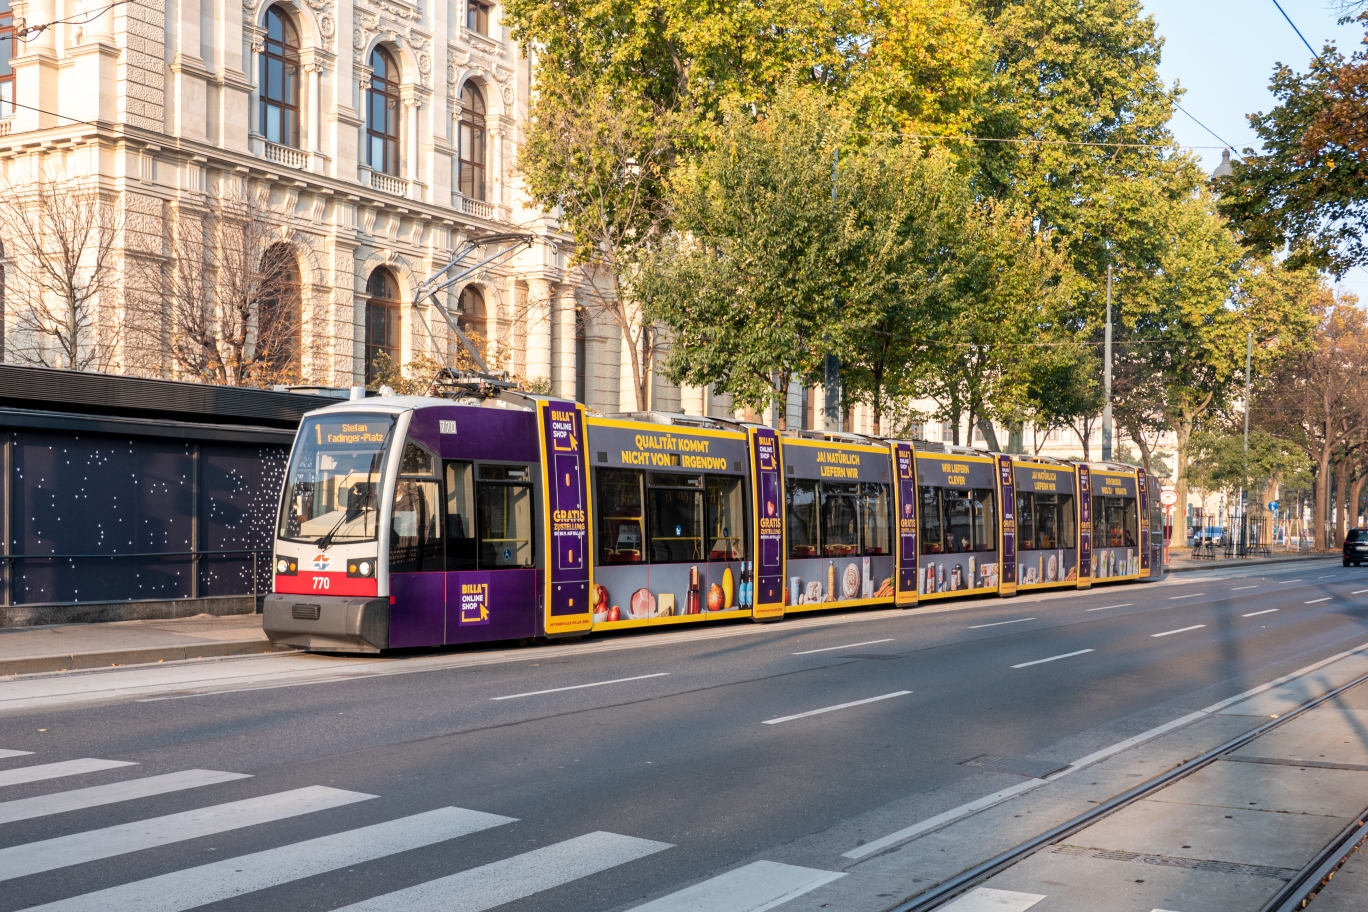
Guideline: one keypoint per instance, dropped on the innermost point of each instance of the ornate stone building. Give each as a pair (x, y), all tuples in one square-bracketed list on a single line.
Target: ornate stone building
[(377, 135)]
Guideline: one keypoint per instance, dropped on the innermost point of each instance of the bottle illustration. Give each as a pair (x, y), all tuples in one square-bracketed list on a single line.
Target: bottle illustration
[(691, 600), (831, 581)]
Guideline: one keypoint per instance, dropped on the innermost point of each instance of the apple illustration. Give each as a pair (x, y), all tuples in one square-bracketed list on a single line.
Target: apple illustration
[(615, 613)]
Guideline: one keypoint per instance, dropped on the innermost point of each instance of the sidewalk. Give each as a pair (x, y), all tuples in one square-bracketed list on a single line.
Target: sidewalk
[(1182, 561), (29, 650)]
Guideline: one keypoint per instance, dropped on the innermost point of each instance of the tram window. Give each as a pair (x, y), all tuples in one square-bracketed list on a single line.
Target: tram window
[(726, 518), (675, 518), (330, 496), (1115, 522), (621, 519), (985, 519), (802, 519), (415, 535), (875, 507), (417, 461), (1068, 529), (503, 523), (1047, 521), (931, 538), (503, 473), (840, 519), (958, 521), (460, 517), (1025, 518)]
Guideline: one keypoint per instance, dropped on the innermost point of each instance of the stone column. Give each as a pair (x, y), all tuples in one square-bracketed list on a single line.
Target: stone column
[(539, 329), (253, 113), (566, 369), (315, 139), (411, 139)]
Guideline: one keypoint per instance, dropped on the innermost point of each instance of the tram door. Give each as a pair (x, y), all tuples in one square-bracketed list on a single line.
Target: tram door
[(488, 515)]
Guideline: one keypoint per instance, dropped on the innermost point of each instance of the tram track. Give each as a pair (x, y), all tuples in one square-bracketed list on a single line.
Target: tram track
[(1294, 895)]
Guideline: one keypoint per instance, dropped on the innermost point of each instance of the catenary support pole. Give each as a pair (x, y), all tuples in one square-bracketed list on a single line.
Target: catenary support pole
[(831, 366), (1107, 378)]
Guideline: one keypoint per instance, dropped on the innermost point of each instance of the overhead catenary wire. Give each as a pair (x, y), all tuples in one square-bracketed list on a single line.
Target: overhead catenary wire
[(1035, 141), (1297, 30), (1208, 129), (29, 31)]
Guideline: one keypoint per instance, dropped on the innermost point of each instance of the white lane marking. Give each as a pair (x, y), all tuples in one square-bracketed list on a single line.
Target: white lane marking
[(96, 795), (1000, 623), (78, 848), (14, 753), (1238, 588), (930, 823), (1358, 591), (827, 709), (1108, 607), (500, 882), (753, 888), (1285, 582), (1179, 630), (23, 774), (1326, 576), (1174, 598), (846, 646), (1254, 614), (1067, 655), (190, 888), (1318, 601), (537, 693), (985, 899)]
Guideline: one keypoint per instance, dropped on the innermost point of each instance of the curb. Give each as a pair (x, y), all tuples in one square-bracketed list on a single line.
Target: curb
[(1256, 562), (150, 655)]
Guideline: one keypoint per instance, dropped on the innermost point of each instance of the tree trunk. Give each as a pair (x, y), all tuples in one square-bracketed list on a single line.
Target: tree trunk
[(1320, 511), (1182, 433), (989, 435), (1341, 497)]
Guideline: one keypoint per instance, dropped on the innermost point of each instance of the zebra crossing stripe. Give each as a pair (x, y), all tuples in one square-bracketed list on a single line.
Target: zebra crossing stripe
[(23, 774), (5, 754), (92, 845), (753, 888), (96, 795), (515, 878), (986, 900), (198, 886)]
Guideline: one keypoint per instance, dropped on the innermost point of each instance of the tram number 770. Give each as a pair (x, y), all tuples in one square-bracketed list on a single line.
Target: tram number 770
[(320, 582)]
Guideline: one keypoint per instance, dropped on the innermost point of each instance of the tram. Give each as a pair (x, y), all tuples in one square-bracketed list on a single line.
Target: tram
[(420, 522)]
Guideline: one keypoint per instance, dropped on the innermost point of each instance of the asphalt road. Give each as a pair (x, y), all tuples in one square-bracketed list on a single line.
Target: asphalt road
[(674, 758)]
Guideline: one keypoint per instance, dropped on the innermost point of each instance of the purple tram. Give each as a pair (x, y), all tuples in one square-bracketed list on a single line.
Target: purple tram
[(420, 522)]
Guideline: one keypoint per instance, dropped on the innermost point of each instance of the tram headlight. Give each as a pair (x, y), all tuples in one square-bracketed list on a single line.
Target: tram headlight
[(361, 568), (286, 566)]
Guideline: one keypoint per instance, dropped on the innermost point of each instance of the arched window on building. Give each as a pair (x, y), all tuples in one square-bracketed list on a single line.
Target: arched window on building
[(382, 320), (472, 319), (471, 180), (279, 84), (279, 322), (382, 114), (6, 52)]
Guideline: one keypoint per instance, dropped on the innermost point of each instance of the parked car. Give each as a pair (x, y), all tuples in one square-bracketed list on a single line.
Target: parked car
[(1355, 547), (1211, 535)]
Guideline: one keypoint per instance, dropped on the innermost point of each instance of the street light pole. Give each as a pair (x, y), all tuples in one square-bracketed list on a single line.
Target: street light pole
[(831, 366), (1244, 469), (1107, 377)]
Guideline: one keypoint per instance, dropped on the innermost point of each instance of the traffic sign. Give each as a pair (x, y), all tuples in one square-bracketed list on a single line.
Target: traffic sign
[(1273, 506), (1168, 497)]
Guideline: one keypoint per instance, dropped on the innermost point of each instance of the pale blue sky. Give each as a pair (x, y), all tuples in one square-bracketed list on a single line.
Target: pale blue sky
[(1222, 53)]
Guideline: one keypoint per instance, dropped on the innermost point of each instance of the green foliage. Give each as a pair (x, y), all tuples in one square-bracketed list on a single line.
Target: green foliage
[(1218, 461), (1306, 191), (746, 286)]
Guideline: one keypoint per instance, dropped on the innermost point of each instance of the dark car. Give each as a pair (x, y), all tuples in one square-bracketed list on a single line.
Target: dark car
[(1356, 547)]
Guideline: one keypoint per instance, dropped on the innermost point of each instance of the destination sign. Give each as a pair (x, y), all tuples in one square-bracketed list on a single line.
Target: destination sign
[(348, 430), (958, 472)]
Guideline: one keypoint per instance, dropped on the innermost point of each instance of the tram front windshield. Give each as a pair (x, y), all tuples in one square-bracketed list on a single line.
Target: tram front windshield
[(333, 485)]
